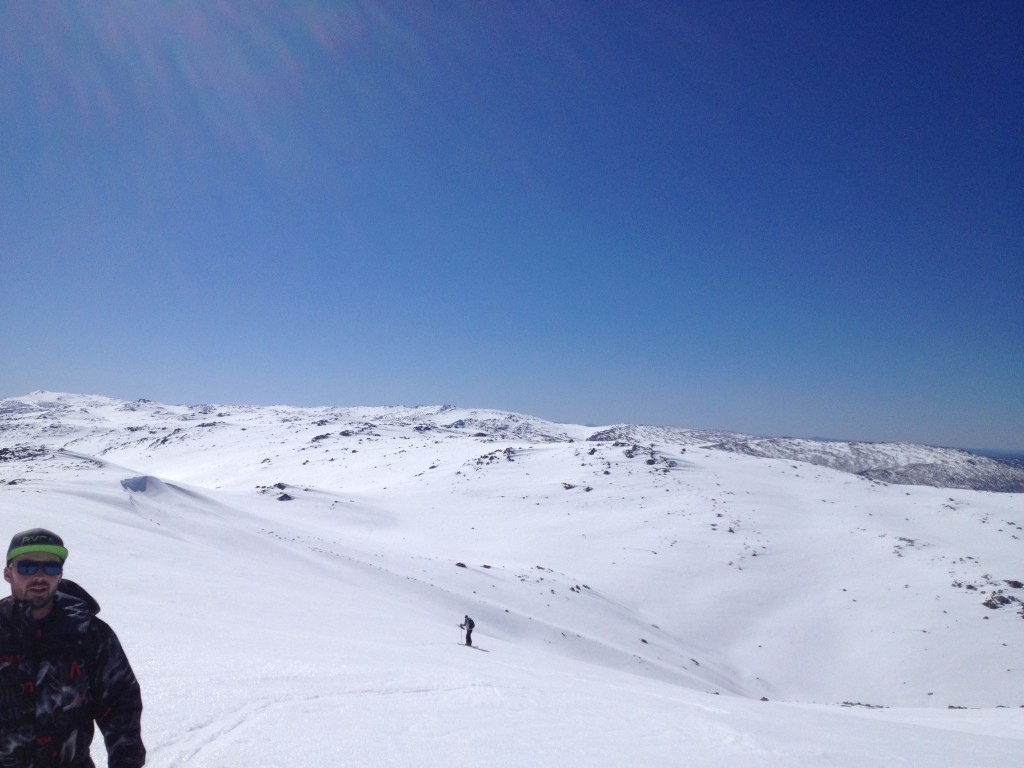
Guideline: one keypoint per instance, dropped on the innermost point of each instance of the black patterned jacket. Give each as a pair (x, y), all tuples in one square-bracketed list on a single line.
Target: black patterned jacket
[(58, 677)]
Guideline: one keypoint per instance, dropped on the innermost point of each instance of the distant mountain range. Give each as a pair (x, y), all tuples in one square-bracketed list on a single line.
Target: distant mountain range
[(49, 420), (898, 463)]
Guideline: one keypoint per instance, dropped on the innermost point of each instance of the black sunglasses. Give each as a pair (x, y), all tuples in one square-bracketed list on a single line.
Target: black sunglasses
[(31, 567)]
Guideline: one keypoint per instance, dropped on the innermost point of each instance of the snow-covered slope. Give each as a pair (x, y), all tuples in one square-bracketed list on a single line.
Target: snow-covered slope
[(902, 463), (288, 582)]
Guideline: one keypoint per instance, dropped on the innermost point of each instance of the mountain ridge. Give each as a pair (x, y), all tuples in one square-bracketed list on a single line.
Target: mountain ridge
[(894, 463)]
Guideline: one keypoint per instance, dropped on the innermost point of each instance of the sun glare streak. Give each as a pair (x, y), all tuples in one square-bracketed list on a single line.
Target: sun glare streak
[(167, 78), (319, 94)]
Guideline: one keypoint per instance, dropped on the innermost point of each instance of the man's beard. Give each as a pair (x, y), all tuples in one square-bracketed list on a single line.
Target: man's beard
[(38, 600)]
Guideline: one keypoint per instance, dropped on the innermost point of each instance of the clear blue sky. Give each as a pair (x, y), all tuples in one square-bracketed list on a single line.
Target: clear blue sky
[(785, 218)]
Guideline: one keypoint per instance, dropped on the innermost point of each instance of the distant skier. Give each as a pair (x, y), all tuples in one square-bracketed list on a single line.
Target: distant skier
[(468, 625)]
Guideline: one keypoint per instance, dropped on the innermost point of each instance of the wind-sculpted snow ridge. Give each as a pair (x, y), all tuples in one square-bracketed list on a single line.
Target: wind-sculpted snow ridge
[(897, 463)]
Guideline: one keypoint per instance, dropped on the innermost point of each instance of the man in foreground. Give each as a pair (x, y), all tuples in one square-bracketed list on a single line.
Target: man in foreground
[(61, 668)]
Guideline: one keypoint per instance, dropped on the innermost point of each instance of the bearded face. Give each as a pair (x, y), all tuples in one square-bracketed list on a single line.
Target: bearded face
[(35, 588)]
